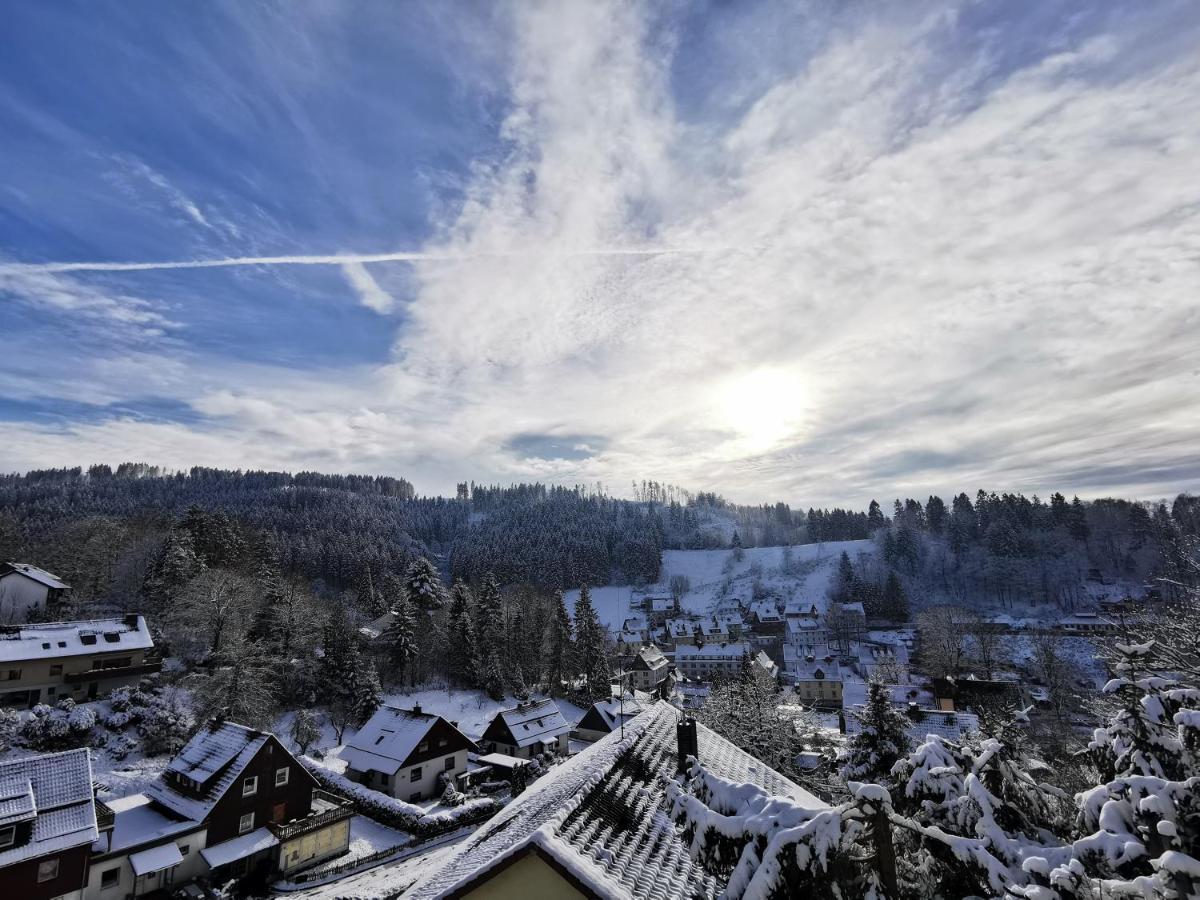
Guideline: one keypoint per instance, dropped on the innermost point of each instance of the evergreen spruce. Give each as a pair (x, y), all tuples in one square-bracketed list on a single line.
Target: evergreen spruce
[(462, 655), (558, 645), (881, 741), (423, 586), (398, 640), (590, 638)]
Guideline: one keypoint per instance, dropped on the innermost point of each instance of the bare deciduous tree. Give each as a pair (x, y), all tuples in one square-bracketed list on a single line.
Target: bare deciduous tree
[(943, 631)]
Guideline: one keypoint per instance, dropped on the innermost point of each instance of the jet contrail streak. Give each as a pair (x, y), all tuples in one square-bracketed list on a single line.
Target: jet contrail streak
[(327, 260)]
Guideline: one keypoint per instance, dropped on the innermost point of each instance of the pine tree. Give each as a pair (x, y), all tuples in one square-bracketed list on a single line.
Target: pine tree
[(398, 640), (367, 693), (881, 740), (462, 656), (1077, 524), (489, 620), (875, 517), (558, 644), (423, 586), (895, 601), (493, 677), (590, 638)]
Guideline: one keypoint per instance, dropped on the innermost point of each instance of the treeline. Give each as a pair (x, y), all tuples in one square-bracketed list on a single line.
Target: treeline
[(1008, 547)]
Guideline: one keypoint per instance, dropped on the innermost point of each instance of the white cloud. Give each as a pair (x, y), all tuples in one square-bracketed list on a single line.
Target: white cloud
[(370, 294), (923, 274)]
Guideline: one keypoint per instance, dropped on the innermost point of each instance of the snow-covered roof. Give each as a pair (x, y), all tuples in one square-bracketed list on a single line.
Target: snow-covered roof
[(855, 607), (57, 789), (376, 627), (137, 820), (503, 760), (713, 650), (52, 640), (529, 723), (387, 739), (949, 725), (649, 657), (800, 624), (766, 611), (604, 817), (39, 575), (713, 628), (224, 853), (213, 758), (155, 859), (730, 618), (616, 709), (661, 604)]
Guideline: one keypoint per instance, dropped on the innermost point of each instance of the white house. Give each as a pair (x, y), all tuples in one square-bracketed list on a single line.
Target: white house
[(702, 663), (25, 588), (648, 668), (534, 727), (401, 752), (145, 850)]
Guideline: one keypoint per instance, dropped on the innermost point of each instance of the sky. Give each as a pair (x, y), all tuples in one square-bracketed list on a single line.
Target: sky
[(815, 252)]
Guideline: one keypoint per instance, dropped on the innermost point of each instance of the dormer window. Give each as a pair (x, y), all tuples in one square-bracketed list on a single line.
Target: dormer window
[(250, 786), (87, 639), (8, 836)]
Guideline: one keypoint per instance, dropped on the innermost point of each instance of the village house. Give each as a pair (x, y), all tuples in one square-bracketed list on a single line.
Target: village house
[(713, 631), (658, 607), (262, 811), (25, 589), (534, 727), (636, 625), (593, 827), (606, 716), (648, 668), (1086, 623), (404, 752), (143, 848), (47, 825), (763, 663), (806, 632), (733, 622), (82, 660), (766, 618), (681, 631), (817, 681), (703, 663)]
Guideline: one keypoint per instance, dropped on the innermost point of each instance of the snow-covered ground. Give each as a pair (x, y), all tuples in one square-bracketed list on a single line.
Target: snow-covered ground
[(368, 836), (807, 578)]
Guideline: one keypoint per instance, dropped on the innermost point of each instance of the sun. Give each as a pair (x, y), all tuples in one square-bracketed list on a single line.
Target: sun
[(763, 406)]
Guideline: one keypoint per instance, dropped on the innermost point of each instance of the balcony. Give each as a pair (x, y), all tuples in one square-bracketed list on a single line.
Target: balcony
[(145, 668), (105, 817), (326, 809)]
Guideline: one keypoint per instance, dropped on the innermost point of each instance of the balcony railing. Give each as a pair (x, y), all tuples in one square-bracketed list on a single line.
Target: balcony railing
[(342, 809), (122, 672)]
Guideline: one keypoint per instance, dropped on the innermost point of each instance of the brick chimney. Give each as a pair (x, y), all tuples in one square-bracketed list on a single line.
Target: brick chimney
[(688, 742)]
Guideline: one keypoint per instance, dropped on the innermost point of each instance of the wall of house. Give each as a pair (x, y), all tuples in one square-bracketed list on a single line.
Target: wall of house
[(815, 689), (529, 876), (315, 847), (403, 787), (20, 879), (295, 796), (48, 676), (192, 867), (19, 596)]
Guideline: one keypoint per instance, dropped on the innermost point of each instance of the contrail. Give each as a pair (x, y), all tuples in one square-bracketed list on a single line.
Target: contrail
[(317, 260)]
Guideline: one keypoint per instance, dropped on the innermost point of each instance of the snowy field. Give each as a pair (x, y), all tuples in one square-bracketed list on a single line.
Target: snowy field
[(812, 567)]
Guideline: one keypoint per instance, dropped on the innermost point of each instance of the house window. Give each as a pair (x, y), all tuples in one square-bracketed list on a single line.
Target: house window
[(281, 776), (8, 836), (423, 746), (56, 669), (14, 674), (47, 870), (245, 823), (184, 848), (250, 786), (449, 763), (415, 774), (110, 877)]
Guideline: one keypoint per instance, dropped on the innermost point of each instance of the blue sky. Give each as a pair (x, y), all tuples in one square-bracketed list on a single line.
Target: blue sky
[(814, 252)]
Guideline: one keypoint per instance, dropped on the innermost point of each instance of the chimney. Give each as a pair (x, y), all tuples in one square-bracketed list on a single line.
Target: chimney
[(689, 745), (131, 620), (417, 708)]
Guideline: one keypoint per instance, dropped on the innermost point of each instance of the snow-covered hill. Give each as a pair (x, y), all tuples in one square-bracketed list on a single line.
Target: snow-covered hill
[(715, 574)]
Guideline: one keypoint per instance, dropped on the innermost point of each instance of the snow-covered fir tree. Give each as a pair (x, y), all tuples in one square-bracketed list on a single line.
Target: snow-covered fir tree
[(591, 641), (423, 586), (881, 740), (558, 645), (462, 658), (397, 640), (493, 678)]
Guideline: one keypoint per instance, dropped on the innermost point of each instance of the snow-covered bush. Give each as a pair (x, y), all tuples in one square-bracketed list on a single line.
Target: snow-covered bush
[(58, 728), (10, 724)]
